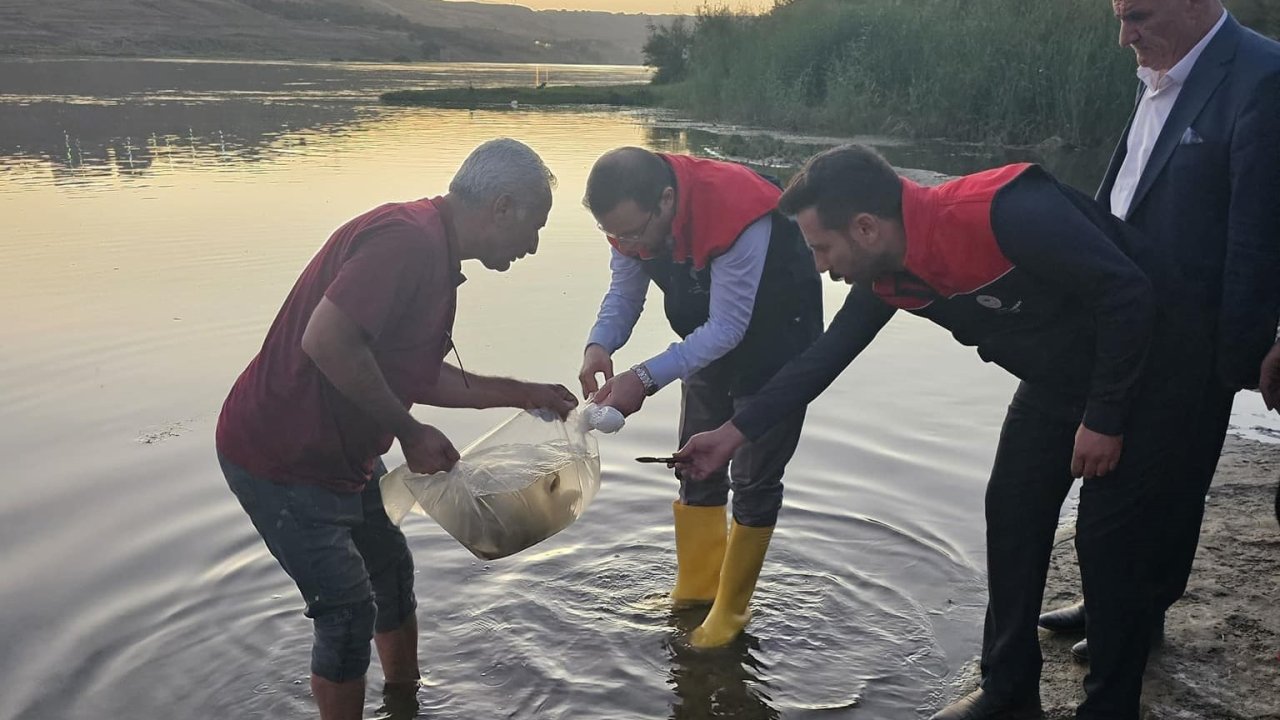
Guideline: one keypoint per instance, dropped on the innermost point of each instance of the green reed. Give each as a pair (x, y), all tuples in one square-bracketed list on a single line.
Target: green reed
[(1012, 71)]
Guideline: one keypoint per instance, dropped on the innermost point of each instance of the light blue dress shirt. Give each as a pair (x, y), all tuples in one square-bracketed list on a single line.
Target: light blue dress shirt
[(735, 277)]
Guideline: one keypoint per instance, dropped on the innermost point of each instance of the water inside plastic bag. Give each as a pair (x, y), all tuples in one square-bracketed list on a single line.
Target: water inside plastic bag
[(502, 498)]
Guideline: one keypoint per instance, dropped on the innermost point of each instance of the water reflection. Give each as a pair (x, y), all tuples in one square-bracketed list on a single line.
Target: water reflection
[(727, 682), (106, 80), (76, 145), (84, 120), (78, 121)]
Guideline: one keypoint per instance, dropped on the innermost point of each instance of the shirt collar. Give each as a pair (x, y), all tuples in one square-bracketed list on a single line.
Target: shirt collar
[(1177, 75)]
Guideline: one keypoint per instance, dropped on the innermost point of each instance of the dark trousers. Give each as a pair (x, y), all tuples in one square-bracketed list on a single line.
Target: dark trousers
[(1183, 499), (1119, 529), (755, 472)]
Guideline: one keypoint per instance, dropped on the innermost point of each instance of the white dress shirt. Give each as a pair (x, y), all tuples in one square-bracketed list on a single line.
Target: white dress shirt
[(1162, 90)]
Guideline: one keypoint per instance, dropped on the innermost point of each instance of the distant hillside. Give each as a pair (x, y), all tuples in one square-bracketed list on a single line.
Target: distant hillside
[(321, 29)]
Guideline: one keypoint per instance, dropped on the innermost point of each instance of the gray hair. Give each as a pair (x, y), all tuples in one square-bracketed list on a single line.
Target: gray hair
[(503, 167)]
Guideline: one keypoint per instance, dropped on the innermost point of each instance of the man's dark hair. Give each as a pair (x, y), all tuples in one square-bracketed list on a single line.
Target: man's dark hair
[(627, 173), (843, 182)]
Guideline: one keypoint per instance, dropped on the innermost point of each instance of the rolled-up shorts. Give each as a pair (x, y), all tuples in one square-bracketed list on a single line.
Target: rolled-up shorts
[(350, 562)]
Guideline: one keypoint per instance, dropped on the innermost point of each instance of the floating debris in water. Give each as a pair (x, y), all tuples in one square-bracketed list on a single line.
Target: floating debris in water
[(160, 434)]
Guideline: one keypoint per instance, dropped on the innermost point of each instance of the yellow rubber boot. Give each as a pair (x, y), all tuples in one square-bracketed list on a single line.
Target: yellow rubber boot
[(742, 563), (700, 541)]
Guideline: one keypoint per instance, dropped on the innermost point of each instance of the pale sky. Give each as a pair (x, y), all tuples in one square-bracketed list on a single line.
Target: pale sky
[(647, 6)]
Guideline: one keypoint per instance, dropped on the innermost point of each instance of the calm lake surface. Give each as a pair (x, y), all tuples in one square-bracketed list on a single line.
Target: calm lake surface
[(153, 215)]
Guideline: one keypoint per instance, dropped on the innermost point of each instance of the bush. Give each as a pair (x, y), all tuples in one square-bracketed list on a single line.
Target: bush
[(666, 50), (990, 70), (1261, 15)]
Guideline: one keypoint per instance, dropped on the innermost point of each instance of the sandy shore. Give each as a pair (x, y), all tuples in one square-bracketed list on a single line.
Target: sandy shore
[(1221, 656)]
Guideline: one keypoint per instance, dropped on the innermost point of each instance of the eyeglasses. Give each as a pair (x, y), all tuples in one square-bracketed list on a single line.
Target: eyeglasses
[(631, 236)]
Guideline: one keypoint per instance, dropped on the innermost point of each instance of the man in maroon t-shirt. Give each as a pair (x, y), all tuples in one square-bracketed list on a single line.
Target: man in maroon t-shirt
[(361, 337)]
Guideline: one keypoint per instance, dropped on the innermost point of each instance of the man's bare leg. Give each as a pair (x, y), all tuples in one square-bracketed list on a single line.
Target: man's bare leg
[(398, 651), (338, 701)]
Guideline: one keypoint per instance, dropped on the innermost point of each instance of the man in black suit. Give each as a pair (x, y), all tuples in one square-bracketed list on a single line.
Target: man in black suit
[(1198, 171)]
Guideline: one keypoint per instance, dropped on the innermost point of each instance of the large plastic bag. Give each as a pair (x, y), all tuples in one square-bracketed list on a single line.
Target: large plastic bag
[(526, 480)]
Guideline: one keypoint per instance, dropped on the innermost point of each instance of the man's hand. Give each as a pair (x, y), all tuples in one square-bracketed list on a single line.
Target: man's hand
[(708, 452), (1095, 454), (624, 392), (554, 398), (595, 361), (1269, 382), (427, 450)]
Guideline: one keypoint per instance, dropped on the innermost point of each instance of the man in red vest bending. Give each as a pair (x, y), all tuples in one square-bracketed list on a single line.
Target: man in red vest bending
[(740, 290), (1044, 282)]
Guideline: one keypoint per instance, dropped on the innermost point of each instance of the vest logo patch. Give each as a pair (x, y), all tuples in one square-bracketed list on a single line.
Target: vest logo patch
[(991, 302)]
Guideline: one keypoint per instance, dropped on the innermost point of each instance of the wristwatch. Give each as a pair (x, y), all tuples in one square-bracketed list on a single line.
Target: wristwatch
[(642, 372)]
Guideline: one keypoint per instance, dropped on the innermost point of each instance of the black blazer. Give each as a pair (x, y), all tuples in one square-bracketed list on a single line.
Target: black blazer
[(1210, 195)]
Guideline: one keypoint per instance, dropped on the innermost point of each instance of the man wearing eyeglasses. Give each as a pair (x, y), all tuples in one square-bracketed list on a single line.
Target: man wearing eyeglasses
[(741, 291)]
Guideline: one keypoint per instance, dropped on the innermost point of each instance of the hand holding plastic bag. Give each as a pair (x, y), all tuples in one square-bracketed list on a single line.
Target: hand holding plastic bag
[(526, 480)]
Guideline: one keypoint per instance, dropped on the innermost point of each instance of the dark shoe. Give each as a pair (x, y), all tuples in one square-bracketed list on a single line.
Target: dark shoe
[(1069, 620), (978, 705), (1080, 651)]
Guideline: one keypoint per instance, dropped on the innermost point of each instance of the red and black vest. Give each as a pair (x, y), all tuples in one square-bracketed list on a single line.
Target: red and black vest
[(963, 258), (1033, 274), (957, 275), (969, 244), (715, 202)]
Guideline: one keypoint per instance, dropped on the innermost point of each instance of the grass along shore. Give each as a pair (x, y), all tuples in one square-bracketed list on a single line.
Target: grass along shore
[(632, 95)]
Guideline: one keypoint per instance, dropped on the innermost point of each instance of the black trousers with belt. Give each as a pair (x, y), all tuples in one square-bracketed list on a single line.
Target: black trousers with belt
[(1120, 528)]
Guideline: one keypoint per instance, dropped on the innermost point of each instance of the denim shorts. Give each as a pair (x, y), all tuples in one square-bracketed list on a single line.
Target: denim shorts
[(349, 561)]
